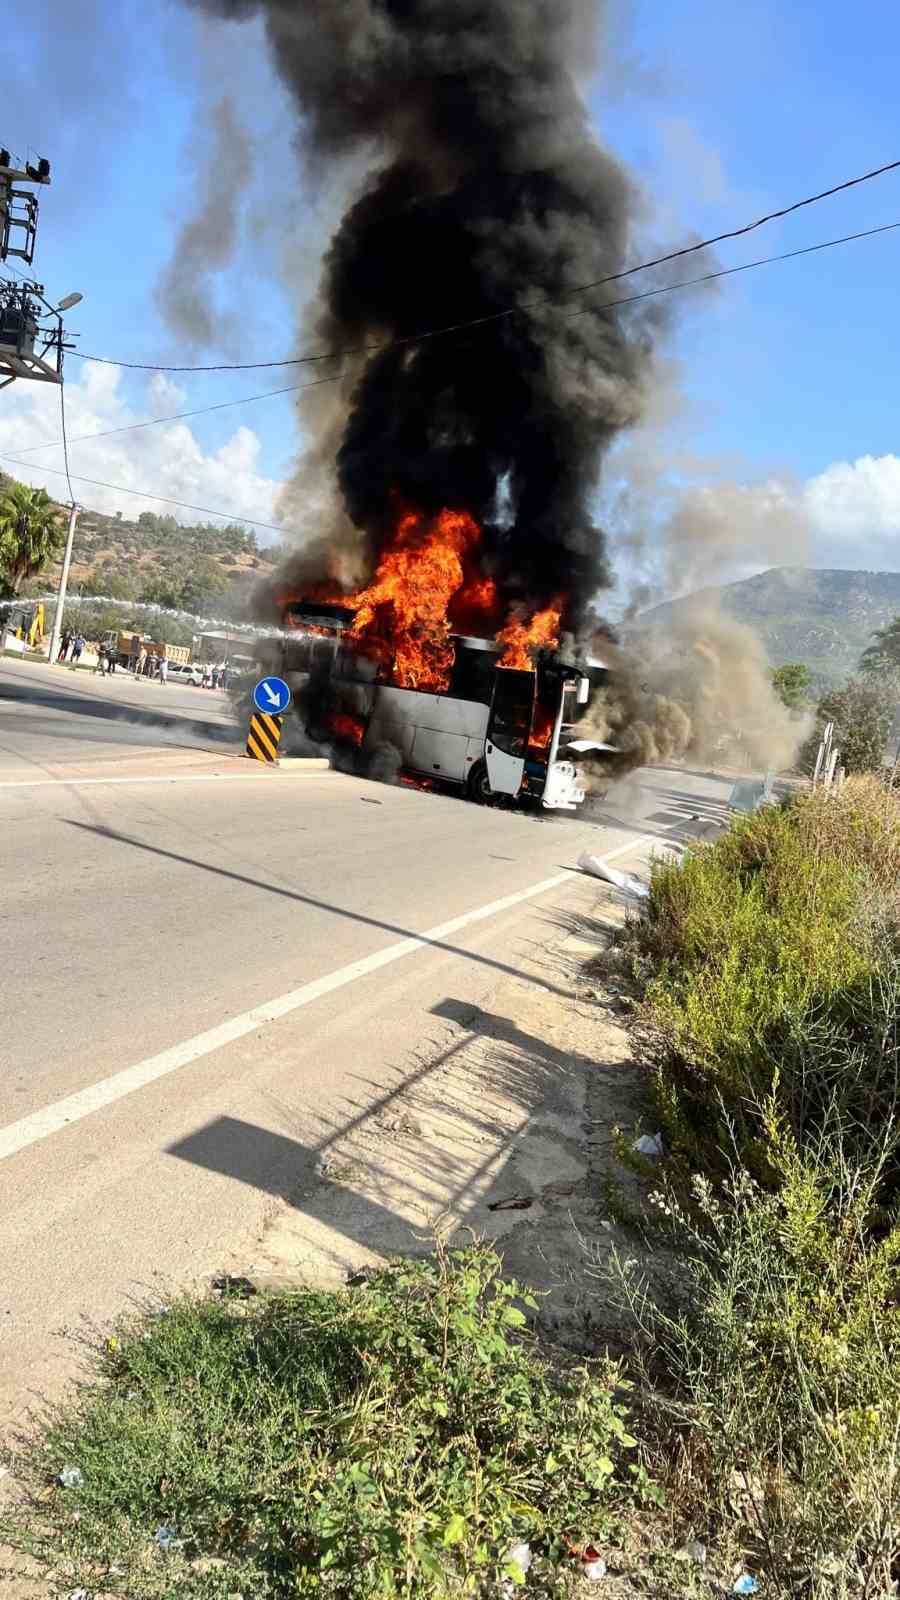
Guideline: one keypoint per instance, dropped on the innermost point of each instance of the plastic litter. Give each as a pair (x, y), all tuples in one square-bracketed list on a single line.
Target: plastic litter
[(516, 1202), (71, 1477), (745, 1584), (521, 1554), (695, 1550), (649, 1144), (622, 880), (79, 1594), (166, 1538), (593, 1567)]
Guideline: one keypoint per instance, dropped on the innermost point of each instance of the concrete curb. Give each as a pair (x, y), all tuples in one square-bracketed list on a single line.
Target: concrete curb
[(300, 764)]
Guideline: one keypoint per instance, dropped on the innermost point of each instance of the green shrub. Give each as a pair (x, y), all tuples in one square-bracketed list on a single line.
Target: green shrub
[(769, 968), (395, 1439), (778, 1367)]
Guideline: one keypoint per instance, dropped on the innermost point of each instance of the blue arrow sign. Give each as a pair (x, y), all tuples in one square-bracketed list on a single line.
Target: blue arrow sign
[(272, 695)]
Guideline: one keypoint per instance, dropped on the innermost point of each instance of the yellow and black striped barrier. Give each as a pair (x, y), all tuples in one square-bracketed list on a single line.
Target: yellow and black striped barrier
[(264, 736)]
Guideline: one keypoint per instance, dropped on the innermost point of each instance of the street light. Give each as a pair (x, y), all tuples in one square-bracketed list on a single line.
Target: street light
[(69, 301)]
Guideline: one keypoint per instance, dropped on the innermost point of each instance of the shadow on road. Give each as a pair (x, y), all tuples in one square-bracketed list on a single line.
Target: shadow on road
[(68, 699), (305, 899), (488, 1135)]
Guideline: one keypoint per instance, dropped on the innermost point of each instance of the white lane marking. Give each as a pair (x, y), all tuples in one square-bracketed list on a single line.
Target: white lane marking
[(181, 777), (41, 1124)]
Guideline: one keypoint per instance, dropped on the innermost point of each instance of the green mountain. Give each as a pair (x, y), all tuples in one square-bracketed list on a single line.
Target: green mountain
[(199, 567), (824, 618)]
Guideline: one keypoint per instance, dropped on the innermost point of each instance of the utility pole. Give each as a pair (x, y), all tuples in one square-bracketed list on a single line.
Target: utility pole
[(63, 585), (32, 340)]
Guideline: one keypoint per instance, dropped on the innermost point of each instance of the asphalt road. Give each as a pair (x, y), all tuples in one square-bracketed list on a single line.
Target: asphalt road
[(209, 969), (52, 716)]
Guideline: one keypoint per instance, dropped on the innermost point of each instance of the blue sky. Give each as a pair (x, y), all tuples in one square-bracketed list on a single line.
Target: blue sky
[(783, 376)]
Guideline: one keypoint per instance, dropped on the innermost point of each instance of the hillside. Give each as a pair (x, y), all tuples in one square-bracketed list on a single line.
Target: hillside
[(824, 618), (200, 567)]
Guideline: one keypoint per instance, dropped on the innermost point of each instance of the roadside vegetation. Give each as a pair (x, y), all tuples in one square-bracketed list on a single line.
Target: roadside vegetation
[(404, 1437), (770, 965)]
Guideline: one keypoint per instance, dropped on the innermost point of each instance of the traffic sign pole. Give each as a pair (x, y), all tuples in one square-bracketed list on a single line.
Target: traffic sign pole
[(271, 698)]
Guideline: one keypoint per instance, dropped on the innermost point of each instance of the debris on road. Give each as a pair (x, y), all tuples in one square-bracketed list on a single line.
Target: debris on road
[(71, 1477), (516, 1202), (166, 1538), (745, 1584), (238, 1287), (626, 881), (649, 1144)]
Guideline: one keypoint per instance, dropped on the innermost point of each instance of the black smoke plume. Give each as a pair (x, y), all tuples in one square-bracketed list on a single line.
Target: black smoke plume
[(486, 191)]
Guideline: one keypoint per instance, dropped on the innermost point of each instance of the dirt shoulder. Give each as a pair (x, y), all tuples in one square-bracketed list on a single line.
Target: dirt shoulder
[(500, 1125)]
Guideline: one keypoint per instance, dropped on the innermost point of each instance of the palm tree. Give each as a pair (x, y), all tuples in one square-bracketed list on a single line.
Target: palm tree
[(30, 534)]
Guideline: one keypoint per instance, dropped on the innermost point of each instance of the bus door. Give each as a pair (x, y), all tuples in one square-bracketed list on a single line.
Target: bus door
[(509, 728)]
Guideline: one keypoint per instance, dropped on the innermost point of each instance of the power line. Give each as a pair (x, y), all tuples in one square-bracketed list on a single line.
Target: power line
[(625, 300), (510, 311), (144, 494), (176, 416)]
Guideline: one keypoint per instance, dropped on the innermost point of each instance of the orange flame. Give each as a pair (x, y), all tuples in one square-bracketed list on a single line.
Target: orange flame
[(541, 733), (522, 639), (351, 730), (402, 616), (428, 585)]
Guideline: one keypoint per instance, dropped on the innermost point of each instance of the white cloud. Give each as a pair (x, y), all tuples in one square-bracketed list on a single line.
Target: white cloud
[(167, 460), (854, 507)]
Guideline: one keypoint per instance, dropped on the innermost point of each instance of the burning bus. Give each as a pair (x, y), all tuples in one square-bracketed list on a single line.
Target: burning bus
[(389, 669)]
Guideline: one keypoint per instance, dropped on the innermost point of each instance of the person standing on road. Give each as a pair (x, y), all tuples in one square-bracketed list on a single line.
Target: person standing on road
[(100, 663), (163, 669), (64, 645), (77, 647), (140, 663)]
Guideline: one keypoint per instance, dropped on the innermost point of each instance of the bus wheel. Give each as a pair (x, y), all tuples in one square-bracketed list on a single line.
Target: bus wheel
[(478, 785)]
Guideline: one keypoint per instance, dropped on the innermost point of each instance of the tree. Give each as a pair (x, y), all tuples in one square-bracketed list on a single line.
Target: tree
[(862, 713), (186, 588), (884, 655), (30, 534), (106, 581), (791, 683)]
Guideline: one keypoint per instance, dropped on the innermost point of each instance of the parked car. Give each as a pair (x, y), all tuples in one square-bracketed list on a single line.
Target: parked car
[(190, 673)]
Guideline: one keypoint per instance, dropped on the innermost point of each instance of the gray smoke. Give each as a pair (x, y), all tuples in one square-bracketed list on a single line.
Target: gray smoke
[(207, 240), (486, 190), (699, 689)]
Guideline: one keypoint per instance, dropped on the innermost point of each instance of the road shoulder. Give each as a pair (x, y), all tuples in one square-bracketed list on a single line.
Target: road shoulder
[(501, 1125)]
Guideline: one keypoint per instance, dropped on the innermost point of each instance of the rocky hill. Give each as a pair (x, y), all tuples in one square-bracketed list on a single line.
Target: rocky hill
[(824, 618), (204, 567)]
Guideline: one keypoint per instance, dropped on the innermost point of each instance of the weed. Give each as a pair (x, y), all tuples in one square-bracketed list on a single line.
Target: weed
[(391, 1440), (778, 1367)]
